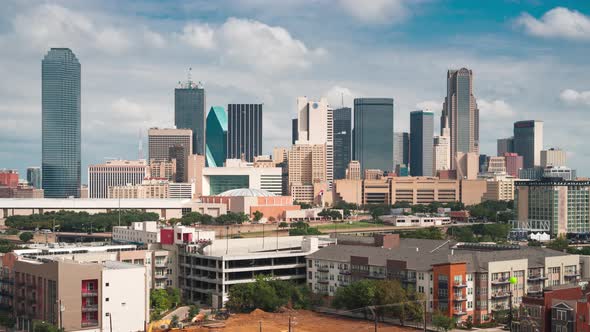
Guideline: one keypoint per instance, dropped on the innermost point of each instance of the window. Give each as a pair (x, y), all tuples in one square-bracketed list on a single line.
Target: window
[(106, 300), (470, 277), (469, 304), (106, 285), (420, 289), (431, 290), (561, 315), (469, 291), (309, 263), (420, 276), (309, 275)]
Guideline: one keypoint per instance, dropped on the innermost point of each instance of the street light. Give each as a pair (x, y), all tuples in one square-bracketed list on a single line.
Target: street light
[(513, 281)]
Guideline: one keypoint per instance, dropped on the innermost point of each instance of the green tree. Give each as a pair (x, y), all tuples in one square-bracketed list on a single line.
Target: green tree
[(26, 236), (174, 321), (267, 294), (193, 311), (303, 205), (44, 327), (359, 294), (159, 300), (283, 224), (559, 243), (6, 246), (390, 292), (257, 215), (442, 322)]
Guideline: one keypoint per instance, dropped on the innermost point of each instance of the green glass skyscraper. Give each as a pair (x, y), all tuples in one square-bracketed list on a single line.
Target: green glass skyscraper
[(216, 137), (61, 117), (373, 133)]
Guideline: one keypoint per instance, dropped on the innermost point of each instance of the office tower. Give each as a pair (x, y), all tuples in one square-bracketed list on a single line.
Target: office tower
[(342, 118), (561, 172), (179, 153), (553, 157), (373, 174), (280, 155), (34, 177), (244, 131), (460, 113), (160, 140), (114, 173), (421, 143), (190, 113), (353, 172), (373, 133), (513, 163), (483, 163), (163, 170), (315, 126), (467, 165), (505, 145), (441, 154), (496, 165), (294, 131), (528, 141), (61, 146), (196, 164), (216, 136), (307, 166), (401, 148)]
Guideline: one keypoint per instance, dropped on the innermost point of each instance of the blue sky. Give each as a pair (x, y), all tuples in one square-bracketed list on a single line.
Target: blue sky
[(528, 58)]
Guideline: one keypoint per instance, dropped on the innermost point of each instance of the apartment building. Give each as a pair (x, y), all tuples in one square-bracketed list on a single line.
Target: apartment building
[(208, 269), (459, 279), (77, 296), (115, 173)]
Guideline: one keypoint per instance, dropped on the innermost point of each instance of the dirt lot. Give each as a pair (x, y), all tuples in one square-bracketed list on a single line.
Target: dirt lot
[(302, 321)]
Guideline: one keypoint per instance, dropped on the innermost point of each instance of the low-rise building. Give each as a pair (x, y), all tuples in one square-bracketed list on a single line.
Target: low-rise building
[(417, 221), (460, 280), (239, 174), (141, 232)]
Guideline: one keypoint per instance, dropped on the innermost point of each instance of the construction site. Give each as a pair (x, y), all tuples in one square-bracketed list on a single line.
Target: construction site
[(290, 321)]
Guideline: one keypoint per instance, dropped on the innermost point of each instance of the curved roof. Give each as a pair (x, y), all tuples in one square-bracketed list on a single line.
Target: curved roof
[(246, 192)]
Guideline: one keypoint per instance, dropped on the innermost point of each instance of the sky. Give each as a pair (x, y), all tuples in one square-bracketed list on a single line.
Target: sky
[(529, 59)]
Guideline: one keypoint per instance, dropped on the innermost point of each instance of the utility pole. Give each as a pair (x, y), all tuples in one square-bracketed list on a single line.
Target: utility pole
[(289, 322), (424, 315), (260, 324), (262, 236)]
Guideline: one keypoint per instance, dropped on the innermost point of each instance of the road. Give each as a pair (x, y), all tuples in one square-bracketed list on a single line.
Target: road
[(181, 312)]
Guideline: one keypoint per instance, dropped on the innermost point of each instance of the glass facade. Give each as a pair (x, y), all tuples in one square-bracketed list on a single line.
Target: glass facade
[(373, 133), (34, 177), (342, 127), (524, 141), (216, 137), (421, 143), (61, 129), (221, 183), (401, 149), (189, 113), (463, 113), (244, 131)]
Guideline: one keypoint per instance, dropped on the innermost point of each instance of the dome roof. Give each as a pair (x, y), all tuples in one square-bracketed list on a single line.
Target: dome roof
[(246, 192)]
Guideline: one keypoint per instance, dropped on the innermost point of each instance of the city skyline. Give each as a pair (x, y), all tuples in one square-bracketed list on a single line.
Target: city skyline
[(507, 86)]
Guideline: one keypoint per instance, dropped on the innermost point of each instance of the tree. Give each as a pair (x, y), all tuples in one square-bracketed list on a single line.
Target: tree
[(26, 236), (359, 294), (193, 311), (389, 292), (283, 224), (559, 243), (442, 322), (44, 327), (272, 219), (303, 205), (6, 246), (257, 215), (174, 321), (267, 294)]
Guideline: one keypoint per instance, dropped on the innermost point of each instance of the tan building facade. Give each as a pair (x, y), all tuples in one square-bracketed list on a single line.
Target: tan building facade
[(353, 172), (307, 165)]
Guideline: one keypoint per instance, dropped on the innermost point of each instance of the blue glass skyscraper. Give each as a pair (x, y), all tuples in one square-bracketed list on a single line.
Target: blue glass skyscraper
[(61, 116), (421, 143), (342, 140), (216, 137), (189, 112), (373, 133)]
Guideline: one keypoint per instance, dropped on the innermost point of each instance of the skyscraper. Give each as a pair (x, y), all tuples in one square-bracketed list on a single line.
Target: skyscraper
[(528, 141), (190, 113), (34, 177), (179, 153), (61, 146), (441, 154), (421, 143), (294, 131), (168, 144), (342, 140), (401, 148), (373, 133), (216, 136), (505, 145), (244, 131), (460, 113), (315, 126)]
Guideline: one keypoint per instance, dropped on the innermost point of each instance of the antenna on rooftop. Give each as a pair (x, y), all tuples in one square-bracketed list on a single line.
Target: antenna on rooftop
[(190, 69)]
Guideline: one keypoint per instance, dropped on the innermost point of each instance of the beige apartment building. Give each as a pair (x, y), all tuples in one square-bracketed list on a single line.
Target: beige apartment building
[(307, 165), (496, 165), (115, 173), (553, 157), (499, 189), (147, 189)]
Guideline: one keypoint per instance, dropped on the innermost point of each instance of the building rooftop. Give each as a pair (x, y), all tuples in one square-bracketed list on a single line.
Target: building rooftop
[(91, 203), (246, 192), (116, 265), (421, 254)]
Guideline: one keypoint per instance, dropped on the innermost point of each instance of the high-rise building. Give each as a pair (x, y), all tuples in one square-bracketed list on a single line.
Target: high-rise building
[(505, 145), (179, 153), (553, 157), (401, 148), (61, 108), (280, 155), (342, 118), (315, 127), (307, 166), (528, 141), (114, 173), (190, 113), (216, 136), (467, 165), (496, 165), (513, 163), (34, 177), (160, 140), (196, 164), (460, 113), (353, 172), (163, 170), (373, 133), (244, 131), (441, 154), (294, 131), (421, 143)]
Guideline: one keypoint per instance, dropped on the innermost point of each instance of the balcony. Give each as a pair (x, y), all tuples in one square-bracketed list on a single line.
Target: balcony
[(571, 274), (409, 279), (535, 290), (323, 268), (160, 264), (345, 272), (459, 312), (88, 323), (536, 277), (160, 276), (89, 293), (459, 284), (499, 308), (501, 281), (500, 295), (90, 308), (376, 276), (323, 281), (459, 298)]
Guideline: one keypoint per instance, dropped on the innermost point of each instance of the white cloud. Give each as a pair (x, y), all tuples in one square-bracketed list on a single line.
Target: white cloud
[(153, 39), (198, 36), (338, 96), (253, 43), (559, 22), (377, 11), (494, 109), (573, 97)]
